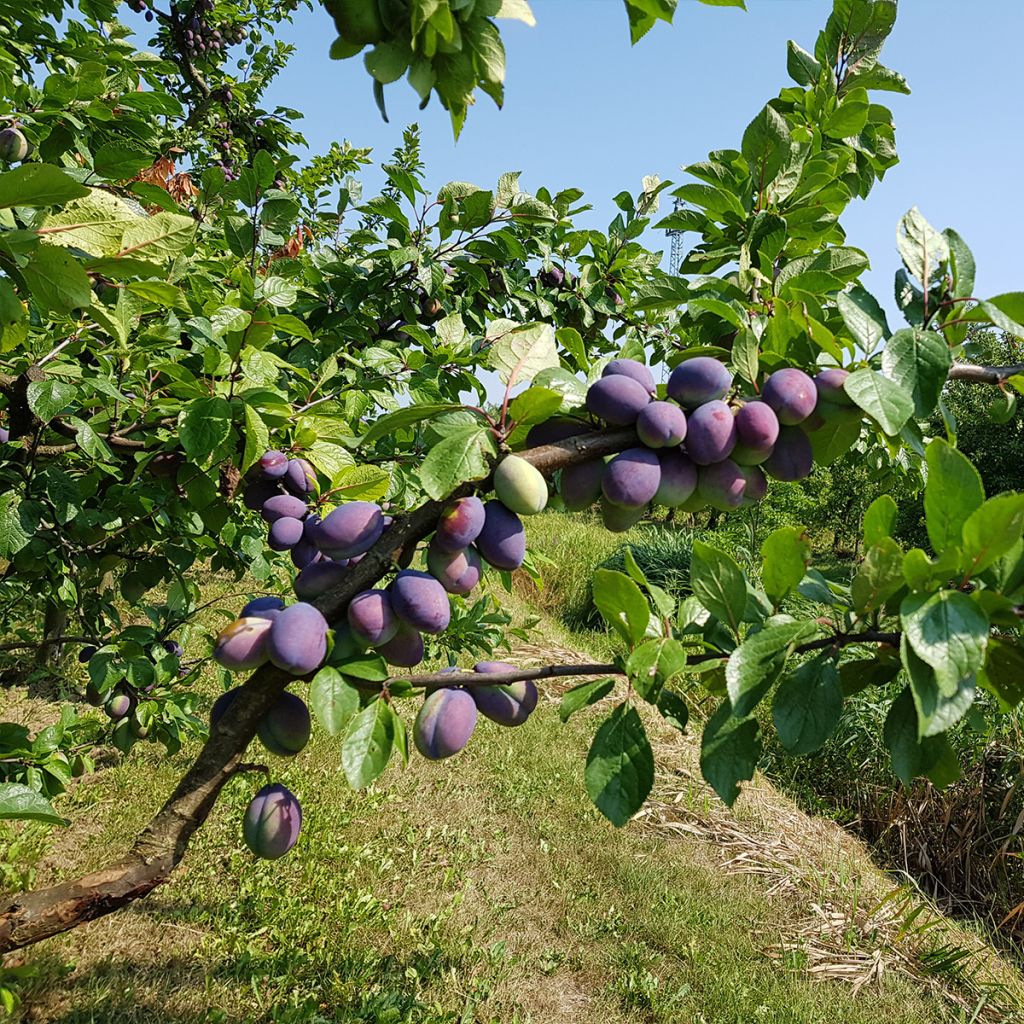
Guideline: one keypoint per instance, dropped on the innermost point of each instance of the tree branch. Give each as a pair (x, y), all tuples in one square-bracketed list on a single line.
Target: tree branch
[(984, 374), (159, 848)]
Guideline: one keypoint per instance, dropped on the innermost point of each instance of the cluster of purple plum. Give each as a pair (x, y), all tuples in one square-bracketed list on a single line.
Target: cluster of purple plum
[(699, 447), (280, 488), (202, 37)]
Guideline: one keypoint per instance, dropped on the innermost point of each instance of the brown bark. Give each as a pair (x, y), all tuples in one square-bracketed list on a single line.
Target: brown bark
[(158, 849)]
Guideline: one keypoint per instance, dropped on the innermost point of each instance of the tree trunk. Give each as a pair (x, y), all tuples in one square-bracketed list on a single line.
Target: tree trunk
[(55, 621)]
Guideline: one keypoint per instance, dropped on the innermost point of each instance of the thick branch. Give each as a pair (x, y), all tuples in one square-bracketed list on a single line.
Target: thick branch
[(158, 849), (470, 679), (984, 374)]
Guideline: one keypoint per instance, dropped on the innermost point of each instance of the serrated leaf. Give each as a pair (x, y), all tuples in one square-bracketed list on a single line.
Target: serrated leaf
[(583, 696), (160, 237), (888, 404), (919, 362), (879, 520), (953, 491), (620, 766), (523, 352), (333, 701), (921, 246), (756, 664), (460, 457), (864, 318), (653, 664), (718, 583), (621, 604), (37, 185), (57, 281), (203, 425), (991, 530), (729, 751), (808, 705), (786, 553), (19, 803), (947, 631), (368, 742), (879, 577), (46, 398)]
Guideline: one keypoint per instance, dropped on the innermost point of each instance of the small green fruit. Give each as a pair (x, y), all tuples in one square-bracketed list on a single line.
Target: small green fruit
[(13, 146), (520, 486)]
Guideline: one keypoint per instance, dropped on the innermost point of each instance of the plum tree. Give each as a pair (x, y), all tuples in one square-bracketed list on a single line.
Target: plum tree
[(617, 399), (631, 479), (272, 822), (698, 381), (420, 601), (711, 433), (444, 723), (520, 487), (661, 425), (283, 342)]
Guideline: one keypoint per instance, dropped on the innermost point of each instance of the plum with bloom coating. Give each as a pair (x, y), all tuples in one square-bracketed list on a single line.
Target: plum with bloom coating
[(661, 425), (617, 400), (699, 380), (631, 479), (272, 822), (711, 433), (631, 368)]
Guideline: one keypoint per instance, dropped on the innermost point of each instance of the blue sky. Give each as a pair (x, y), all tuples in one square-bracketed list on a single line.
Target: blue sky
[(584, 108)]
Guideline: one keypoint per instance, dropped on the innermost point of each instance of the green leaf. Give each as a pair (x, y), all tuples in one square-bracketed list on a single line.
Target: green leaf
[(20, 803), (919, 362), (389, 424), (786, 554), (882, 399), (755, 665), (947, 631), (879, 520), (535, 405), (718, 583), (765, 146), (118, 162), (954, 490), (729, 751), (257, 437), (900, 735), (620, 766), (864, 318), (58, 282), (291, 325), (94, 224), (46, 398), (1003, 673), (583, 696), (653, 664), (334, 701), (801, 65), (368, 742), (961, 261), (203, 425), (621, 604), (14, 531), (162, 236), (673, 709), (921, 246), (808, 705), (460, 457), (991, 530), (935, 711), (879, 577), (38, 185), (523, 352)]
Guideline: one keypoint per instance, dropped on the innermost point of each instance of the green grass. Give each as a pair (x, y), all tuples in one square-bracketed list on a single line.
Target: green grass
[(482, 890)]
